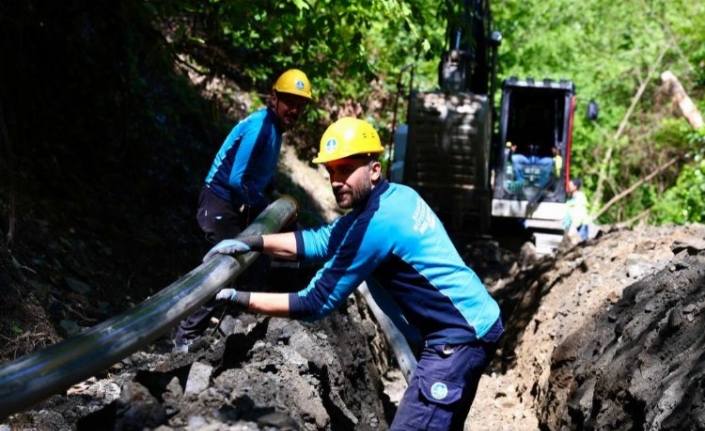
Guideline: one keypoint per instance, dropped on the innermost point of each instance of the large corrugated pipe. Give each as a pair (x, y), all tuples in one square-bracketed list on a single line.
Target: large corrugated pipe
[(32, 378)]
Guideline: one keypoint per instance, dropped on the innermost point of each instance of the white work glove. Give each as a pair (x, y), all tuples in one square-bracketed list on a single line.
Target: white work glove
[(226, 295), (241, 300), (230, 247)]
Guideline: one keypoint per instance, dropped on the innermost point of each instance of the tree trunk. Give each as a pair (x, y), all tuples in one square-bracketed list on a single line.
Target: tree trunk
[(680, 98), (611, 143)]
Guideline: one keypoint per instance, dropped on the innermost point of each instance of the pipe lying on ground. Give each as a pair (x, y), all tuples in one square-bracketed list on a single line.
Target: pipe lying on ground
[(398, 332), (32, 378)]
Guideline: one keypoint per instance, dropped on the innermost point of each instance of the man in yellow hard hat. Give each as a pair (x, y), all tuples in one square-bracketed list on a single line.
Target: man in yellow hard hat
[(233, 193), (392, 235), (234, 190)]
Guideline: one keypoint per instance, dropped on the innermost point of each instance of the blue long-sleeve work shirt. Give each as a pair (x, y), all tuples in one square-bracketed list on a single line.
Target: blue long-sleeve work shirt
[(247, 160), (397, 239)]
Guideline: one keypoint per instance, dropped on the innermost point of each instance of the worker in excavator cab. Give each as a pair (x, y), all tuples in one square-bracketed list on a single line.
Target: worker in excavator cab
[(392, 235), (557, 162), (535, 161)]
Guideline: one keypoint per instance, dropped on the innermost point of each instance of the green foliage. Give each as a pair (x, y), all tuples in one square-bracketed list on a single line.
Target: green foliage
[(17, 329), (685, 201), (343, 45), (609, 50), (354, 51)]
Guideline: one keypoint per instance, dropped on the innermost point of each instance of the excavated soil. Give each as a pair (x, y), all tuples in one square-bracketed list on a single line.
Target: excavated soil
[(605, 334)]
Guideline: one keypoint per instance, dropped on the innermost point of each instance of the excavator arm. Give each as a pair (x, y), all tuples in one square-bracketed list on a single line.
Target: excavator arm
[(469, 60)]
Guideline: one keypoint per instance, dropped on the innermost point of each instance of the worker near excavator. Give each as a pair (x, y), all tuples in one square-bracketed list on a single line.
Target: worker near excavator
[(576, 219), (234, 190), (392, 235)]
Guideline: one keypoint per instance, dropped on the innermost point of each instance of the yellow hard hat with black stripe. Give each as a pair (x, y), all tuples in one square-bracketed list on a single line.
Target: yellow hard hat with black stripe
[(347, 137)]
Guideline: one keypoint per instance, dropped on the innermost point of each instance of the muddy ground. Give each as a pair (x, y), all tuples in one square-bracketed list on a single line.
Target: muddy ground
[(605, 334)]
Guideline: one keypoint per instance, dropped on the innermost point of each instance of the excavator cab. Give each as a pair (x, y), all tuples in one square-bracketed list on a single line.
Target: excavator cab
[(473, 162), (531, 152)]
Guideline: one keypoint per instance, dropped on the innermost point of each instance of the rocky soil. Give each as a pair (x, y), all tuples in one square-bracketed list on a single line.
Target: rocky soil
[(605, 334)]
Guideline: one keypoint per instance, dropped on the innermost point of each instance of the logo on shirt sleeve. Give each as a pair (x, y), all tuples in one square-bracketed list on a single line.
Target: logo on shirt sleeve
[(423, 217)]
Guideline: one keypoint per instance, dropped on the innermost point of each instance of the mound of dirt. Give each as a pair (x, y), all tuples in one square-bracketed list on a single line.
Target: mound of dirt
[(604, 335), (637, 362)]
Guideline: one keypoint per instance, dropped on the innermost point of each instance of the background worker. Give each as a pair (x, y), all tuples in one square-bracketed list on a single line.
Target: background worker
[(392, 235), (234, 190), (533, 155), (576, 219), (557, 162)]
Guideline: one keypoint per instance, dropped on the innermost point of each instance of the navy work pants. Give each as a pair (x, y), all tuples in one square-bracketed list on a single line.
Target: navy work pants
[(444, 385)]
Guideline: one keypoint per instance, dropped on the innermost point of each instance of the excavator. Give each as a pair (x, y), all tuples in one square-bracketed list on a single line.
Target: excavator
[(477, 164)]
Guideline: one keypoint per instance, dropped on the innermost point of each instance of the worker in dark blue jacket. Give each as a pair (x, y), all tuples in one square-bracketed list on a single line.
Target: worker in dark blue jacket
[(392, 235), (234, 190)]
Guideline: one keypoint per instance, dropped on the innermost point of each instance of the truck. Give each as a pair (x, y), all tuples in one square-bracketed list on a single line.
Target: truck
[(479, 165)]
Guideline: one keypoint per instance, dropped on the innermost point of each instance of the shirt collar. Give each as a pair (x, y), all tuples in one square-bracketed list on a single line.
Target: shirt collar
[(275, 119)]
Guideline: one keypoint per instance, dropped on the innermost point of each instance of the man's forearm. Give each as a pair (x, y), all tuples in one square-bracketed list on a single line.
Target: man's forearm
[(280, 245), (271, 304)]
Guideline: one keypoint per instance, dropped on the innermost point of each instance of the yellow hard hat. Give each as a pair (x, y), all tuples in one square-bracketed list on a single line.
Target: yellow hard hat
[(293, 81), (347, 137)]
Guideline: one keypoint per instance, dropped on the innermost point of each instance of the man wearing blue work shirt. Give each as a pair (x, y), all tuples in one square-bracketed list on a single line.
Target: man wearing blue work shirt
[(233, 193), (392, 235)]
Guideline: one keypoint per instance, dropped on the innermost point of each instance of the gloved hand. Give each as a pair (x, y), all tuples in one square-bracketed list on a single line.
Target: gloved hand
[(226, 295), (227, 246), (240, 300)]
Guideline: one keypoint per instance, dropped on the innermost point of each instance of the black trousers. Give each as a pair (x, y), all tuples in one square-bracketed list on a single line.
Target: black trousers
[(219, 220)]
